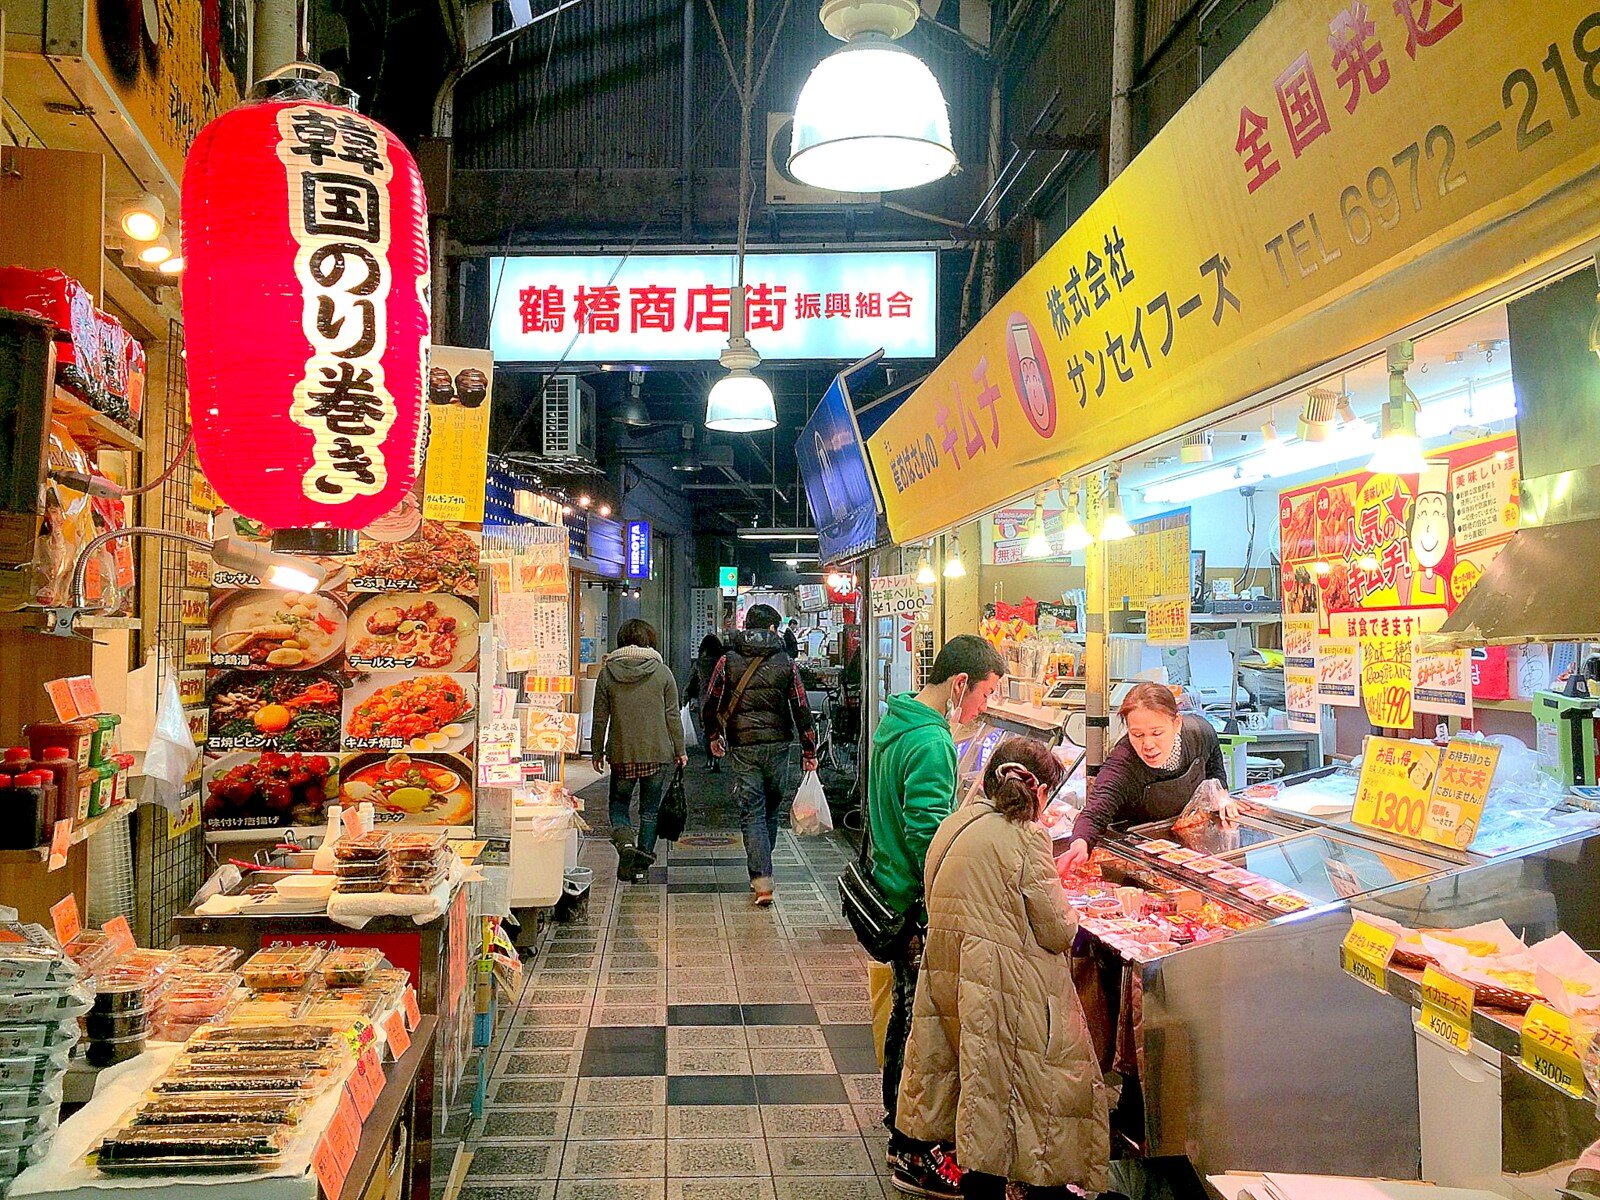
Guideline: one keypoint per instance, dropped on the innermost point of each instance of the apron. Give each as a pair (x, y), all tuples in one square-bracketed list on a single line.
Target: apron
[(1168, 798)]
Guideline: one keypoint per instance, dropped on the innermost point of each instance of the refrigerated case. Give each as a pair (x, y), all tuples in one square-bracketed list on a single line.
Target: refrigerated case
[(1255, 1051)]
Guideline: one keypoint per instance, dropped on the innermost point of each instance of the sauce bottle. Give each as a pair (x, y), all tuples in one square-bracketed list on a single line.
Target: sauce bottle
[(29, 801), (63, 768)]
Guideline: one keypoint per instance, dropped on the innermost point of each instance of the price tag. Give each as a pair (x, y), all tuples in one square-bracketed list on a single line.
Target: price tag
[(330, 1171), (1456, 807), (367, 1082), (412, 1010), (346, 1126), (120, 934), (1446, 1009), (1365, 954), (394, 1028), (351, 819), (60, 843), (1396, 785), (64, 917), (1552, 1049)]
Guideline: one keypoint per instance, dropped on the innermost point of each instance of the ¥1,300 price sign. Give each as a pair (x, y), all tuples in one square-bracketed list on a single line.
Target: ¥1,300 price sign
[(1395, 786)]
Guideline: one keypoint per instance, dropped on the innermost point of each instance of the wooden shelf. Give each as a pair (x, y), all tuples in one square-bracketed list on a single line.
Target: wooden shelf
[(92, 425), (1514, 706), (32, 620)]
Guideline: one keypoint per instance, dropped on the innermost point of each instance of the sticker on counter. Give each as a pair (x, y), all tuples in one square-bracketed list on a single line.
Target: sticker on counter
[(1287, 902), (1205, 865), (1235, 877)]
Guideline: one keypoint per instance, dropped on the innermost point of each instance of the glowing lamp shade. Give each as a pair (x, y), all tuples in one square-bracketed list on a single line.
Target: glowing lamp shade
[(305, 307), (871, 118), (1398, 454), (740, 403)]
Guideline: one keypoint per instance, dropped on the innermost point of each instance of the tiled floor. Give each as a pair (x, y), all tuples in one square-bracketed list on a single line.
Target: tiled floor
[(678, 1043)]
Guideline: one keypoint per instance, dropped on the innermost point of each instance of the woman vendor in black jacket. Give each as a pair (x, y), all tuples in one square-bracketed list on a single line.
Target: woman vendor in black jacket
[(1153, 772)]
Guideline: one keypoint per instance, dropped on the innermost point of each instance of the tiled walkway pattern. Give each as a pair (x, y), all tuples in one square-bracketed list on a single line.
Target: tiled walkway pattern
[(678, 1043)]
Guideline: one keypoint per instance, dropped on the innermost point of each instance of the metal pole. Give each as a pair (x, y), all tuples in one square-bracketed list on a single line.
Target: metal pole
[(1122, 68), (1096, 658), (686, 132)]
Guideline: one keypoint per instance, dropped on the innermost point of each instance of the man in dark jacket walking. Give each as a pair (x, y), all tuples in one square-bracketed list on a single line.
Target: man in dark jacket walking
[(754, 706)]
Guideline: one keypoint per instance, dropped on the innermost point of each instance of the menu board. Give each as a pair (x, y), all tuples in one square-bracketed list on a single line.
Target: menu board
[(364, 691), (1151, 564)]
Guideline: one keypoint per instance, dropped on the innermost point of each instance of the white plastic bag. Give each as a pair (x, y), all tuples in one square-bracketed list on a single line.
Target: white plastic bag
[(689, 739), (810, 816), (172, 750)]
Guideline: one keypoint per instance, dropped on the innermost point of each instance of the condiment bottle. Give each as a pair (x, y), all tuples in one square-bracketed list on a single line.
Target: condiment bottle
[(60, 763), (30, 800)]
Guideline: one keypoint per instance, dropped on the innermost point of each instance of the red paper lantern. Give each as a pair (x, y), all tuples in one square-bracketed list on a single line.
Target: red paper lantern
[(305, 312)]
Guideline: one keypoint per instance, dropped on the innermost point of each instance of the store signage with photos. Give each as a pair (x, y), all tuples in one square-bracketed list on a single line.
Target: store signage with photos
[(460, 398), (636, 543), (1348, 171), (676, 307), (1005, 532), (838, 482)]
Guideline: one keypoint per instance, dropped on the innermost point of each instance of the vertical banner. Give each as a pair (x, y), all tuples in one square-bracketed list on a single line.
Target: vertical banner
[(1167, 621), (1300, 671), (460, 398), (1339, 672)]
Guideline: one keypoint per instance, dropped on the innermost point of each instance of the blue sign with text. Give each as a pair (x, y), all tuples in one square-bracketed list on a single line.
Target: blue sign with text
[(638, 547), (833, 464)]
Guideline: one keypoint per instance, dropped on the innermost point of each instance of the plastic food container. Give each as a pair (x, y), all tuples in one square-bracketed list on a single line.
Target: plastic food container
[(417, 846), (233, 1039), (408, 885), (265, 1012), (361, 887), (92, 950), (350, 966), (364, 848), (112, 997), (219, 1110), (106, 1052), (282, 967), (165, 1148), (100, 1026), (200, 997), (208, 959)]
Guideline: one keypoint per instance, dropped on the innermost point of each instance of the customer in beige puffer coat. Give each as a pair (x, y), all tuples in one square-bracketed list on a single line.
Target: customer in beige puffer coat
[(1000, 1059)]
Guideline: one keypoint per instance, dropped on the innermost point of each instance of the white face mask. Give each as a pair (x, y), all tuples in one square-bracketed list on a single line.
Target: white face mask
[(952, 708)]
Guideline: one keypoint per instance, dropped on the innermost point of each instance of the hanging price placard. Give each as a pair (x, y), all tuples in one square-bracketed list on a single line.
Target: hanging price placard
[(1365, 954), (1553, 1049), (1446, 1009)]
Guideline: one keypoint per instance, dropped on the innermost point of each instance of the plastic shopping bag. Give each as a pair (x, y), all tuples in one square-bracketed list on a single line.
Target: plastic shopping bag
[(810, 816), (689, 738)]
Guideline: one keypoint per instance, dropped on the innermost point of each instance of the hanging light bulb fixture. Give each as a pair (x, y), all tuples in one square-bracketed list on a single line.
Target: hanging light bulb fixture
[(143, 217), (1399, 450), (871, 117), (1271, 443), (1037, 546), (1114, 526), (689, 462), (954, 568), (925, 575), (1076, 535), (633, 412), (741, 402)]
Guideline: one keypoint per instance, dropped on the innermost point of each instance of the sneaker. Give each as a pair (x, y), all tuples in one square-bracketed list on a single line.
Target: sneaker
[(762, 887), (934, 1175), (627, 855)]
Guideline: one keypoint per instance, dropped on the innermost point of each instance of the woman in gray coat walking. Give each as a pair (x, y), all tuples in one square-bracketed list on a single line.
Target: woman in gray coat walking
[(638, 730)]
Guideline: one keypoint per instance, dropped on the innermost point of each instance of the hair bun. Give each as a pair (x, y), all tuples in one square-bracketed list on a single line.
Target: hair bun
[(1015, 771)]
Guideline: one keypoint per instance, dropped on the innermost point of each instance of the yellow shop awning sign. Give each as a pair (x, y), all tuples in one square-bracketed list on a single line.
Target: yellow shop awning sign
[(1353, 168)]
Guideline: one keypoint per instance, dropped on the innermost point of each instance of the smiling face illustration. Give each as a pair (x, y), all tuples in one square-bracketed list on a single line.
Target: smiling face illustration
[(1430, 529)]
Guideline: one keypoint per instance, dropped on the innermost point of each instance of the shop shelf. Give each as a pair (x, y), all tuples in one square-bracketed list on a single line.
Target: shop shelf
[(32, 619), (92, 425), (1512, 706)]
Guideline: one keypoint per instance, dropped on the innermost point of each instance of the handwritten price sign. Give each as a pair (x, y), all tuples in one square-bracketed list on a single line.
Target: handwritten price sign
[(1365, 954), (1446, 1009), (1395, 786), (1553, 1049)]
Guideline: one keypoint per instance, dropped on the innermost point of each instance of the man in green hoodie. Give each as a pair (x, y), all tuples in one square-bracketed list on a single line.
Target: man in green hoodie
[(911, 787)]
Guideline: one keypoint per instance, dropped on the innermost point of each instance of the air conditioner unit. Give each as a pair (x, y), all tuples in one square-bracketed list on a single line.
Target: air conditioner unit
[(567, 419), (783, 189)]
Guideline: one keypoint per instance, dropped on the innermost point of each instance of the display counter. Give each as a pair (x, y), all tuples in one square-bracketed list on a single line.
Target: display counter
[(1250, 1048), (392, 1158), (435, 953)]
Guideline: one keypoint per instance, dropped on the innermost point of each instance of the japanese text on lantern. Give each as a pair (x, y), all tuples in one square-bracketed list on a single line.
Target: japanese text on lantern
[(1355, 59), (339, 169), (659, 308)]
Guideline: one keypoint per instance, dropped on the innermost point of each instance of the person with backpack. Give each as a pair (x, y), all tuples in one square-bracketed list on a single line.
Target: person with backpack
[(911, 787), (705, 662), (638, 729), (754, 708)]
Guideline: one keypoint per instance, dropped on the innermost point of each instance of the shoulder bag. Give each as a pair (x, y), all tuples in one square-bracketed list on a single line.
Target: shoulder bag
[(883, 933), (674, 811)]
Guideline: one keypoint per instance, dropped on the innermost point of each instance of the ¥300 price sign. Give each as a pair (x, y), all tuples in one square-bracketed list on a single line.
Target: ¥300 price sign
[(1553, 1047)]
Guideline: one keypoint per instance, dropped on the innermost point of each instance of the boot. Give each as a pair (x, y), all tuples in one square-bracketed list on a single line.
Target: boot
[(622, 839)]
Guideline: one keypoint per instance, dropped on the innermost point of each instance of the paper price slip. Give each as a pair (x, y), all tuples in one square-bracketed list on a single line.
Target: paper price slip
[(1553, 1048)]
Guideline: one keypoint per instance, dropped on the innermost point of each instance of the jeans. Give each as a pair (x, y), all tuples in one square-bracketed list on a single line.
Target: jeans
[(905, 970), (651, 788), (760, 775)]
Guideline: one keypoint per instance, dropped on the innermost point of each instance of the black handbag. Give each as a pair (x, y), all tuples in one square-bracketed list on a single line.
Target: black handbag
[(883, 933), (674, 811)]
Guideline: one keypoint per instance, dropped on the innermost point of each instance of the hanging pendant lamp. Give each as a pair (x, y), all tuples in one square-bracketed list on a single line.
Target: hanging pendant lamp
[(871, 117)]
